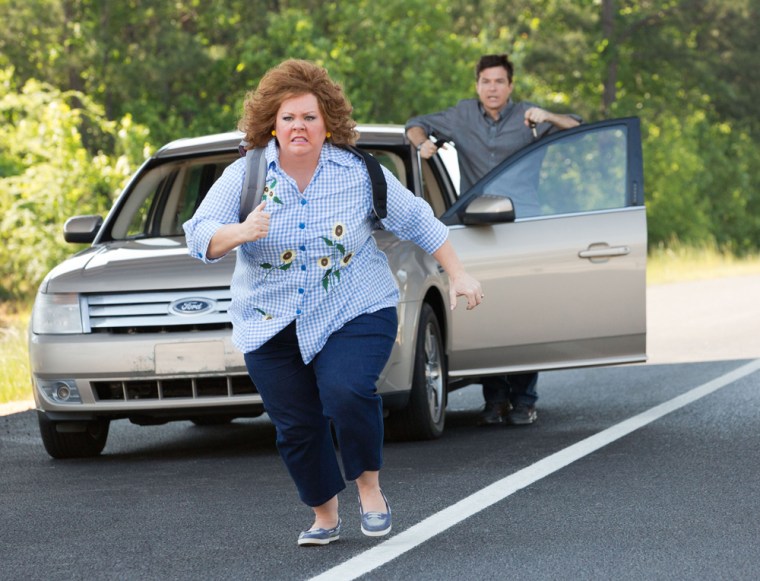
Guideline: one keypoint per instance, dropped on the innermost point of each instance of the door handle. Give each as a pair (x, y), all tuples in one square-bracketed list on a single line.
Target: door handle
[(597, 251)]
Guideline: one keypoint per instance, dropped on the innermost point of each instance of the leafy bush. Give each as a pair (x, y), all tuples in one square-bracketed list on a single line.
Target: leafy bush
[(702, 184), (53, 165)]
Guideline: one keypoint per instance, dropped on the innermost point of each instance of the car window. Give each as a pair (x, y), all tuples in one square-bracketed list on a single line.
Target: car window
[(584, 173), (195, 183), (166, 196), (392, 162), (432, 189), (450, 159)]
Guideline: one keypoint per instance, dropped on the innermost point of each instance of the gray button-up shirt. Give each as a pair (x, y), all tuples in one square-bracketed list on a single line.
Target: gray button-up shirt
[(482, 142)]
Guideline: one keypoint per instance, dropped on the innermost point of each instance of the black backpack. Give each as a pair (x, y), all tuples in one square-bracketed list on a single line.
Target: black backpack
[(256, 171)]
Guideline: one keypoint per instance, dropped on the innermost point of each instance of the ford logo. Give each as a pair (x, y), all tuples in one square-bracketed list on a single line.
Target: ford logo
[(192, 306)]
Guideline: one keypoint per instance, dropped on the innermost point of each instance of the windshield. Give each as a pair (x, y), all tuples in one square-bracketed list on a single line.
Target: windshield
[(166, 196)]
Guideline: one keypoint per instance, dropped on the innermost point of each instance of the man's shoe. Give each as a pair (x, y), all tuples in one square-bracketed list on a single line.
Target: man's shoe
[(522, 416), (376, 524), (494, 414), (314, 537)]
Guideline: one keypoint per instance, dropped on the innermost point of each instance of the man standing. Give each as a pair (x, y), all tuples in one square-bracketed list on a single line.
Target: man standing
[(487, 130)]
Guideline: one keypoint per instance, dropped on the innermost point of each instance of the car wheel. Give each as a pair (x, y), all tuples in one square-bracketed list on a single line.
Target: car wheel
[(73, 439), (424, 416)]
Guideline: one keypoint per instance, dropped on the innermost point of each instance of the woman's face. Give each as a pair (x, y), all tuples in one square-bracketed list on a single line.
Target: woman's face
[(300, 126)]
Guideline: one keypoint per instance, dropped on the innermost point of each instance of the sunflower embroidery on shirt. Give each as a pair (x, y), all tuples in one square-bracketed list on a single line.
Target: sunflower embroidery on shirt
[(286, 261), (269, 193), (338, 259), (264, 315)]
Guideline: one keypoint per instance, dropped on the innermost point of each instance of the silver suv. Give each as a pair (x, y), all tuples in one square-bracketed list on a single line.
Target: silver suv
[(134, 328)]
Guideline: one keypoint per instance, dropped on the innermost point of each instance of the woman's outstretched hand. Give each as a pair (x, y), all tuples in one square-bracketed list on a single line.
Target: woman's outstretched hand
[(464, 285), (461, 284)]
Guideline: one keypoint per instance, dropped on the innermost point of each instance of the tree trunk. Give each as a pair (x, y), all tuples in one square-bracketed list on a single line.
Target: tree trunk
[(70, 17), (610, 51)]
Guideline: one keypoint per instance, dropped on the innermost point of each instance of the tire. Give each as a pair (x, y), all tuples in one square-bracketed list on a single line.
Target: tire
[(424, 416), (75, 440)]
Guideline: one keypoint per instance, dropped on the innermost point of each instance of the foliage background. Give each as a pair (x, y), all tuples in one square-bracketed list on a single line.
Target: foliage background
[(88, 88)]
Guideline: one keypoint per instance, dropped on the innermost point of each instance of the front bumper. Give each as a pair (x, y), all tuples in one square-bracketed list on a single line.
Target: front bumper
[(142, 374)]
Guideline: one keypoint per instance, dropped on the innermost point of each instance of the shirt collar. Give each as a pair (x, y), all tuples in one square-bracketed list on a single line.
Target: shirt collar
[(337, 155), (272, 153), (503, 114), (329, 152)]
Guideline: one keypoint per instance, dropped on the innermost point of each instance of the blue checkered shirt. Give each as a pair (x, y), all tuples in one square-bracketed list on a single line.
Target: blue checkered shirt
[(319, 265)]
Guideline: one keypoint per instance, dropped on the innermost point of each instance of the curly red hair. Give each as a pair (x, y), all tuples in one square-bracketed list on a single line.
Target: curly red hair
[(293, 78)]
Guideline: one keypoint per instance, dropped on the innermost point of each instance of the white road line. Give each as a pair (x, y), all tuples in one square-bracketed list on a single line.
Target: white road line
[(434, 525)]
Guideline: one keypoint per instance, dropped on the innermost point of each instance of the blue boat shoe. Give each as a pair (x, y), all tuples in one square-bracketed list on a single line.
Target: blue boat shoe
[(314, 537), (376, 524)]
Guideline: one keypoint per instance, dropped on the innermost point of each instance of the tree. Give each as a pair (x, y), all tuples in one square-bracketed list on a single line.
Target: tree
[(685, 67), (393, 62)]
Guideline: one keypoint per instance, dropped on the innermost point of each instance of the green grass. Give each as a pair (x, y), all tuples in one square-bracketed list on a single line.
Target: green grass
[(681, 263), (674, 264), (15, 384)]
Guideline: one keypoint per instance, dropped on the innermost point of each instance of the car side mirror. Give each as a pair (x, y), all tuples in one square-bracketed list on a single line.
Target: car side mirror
[(489, 209), (82, 229)]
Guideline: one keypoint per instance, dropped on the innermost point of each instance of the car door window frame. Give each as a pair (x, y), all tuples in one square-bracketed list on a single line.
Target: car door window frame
[(633, 178)]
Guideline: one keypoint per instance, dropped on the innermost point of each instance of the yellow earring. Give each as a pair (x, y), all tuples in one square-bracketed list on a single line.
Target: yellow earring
[(274, 133), (328, 135)]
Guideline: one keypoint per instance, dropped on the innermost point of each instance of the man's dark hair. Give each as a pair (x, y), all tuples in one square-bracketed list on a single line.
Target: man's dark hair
[(494, 60)]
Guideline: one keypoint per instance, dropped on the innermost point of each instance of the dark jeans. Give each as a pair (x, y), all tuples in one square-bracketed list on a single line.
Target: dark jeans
[(518, 388), (337, 386)]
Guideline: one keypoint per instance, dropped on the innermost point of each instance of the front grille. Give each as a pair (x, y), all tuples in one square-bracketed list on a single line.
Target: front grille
[(167, 329), (158, 389), (160, 311)]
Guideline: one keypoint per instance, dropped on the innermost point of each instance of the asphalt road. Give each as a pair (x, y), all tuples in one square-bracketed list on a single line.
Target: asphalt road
[(635, 472)]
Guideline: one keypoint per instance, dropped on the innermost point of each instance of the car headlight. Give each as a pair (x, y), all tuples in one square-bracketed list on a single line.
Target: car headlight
[(57, 314)]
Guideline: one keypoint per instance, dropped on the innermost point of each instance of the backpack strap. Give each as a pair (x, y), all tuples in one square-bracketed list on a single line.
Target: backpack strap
[(377, 178), (253, 185)]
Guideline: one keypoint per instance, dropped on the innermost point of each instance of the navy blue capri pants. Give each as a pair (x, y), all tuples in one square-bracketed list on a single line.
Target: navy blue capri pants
[(337, 386)]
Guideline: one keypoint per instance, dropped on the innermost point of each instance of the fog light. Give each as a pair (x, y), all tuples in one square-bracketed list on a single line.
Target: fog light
[(60, 390)]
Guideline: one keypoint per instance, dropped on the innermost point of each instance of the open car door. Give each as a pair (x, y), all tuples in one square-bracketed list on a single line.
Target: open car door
[(564, 278)]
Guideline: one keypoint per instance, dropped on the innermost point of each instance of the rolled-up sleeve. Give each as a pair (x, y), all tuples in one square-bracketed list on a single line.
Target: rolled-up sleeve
[(411, 218), (442, 121), (220, 206)]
